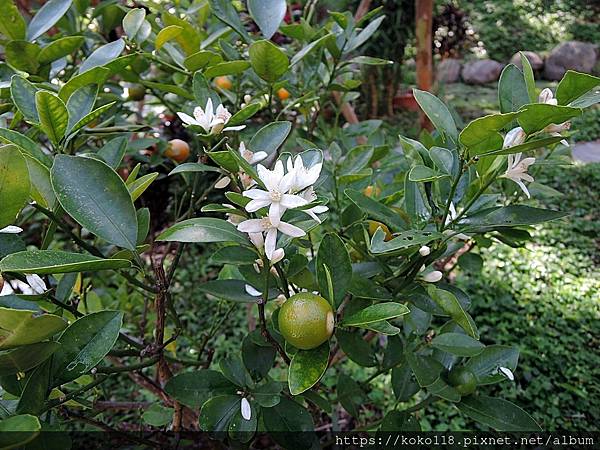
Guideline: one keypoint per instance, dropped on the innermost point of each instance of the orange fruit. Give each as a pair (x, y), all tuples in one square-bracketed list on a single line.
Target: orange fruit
[(373, 225), (177, 150), (283, 94), (372, 191), (223, 82), (306, 320)]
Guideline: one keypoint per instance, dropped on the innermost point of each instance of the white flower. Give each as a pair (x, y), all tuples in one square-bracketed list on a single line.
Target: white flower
[(251, 291), (517, 171), (250, 156), (11, 229), (516, 136), (211, 121), (433, 277), (546, 96), (507, 373), (310, 196), (245, 409), (36, 283), (424, 250), (303, 176), (276, 196), (265, 225)]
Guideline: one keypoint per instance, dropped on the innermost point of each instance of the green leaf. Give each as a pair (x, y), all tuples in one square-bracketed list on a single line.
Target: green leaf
[(403, 383), (307, 368), (22, 359), (364, 35), (573, 85), (113, 151), (267, 14), (232, 290), (56, 261), (84, 344), (357, 349), (102, 55), (350, 395), (36, 391), (133, 21), (23, 95), (240, 429), (437, 112), (167, 34), (366, 288), (25, 144), (376, 210), (270, 137), (482, 135), (443, 159), (193, 167), (226, 68), (157, 415), (421, 173), (268, 61), (485, 365), (426, 369), (245, 113), (395, 421), (370, 61), (234, 370), (512, 89), (139, 186), (14, 184), (203, 230), (451, 306), (198, 60), (60, 48), (17, 431), (457, 344), (258, 354), (333, 254), (46, 17), (171, 88), (534, 118), (509, 217), (91, 117), (97, 75), (310, 48), (80, 104), (194, 388), (217, 412), (527, 146), (96, 197), (499, 414), (12, 24), (54, 116), (24, 327), (226, 13), (290, 425), (529, 78), (23, 55), (375, 313), (402, 241)]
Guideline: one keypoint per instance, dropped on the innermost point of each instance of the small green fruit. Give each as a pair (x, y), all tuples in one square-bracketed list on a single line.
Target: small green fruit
[(463, 380), (306, 320)]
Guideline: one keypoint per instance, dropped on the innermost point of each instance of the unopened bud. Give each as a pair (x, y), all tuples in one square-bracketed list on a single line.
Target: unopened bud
[(424, 251), (433, 277), (546, 96), (514, 137)]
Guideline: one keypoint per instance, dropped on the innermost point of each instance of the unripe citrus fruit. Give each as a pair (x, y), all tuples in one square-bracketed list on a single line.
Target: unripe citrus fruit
[(177, 150), (372, 191), (136, 92), (283, 94), (306, 320), (223, 82), (373, 225), (463, 380)]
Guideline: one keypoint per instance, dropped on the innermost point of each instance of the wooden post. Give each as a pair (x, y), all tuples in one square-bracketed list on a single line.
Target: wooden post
[(423, 33)]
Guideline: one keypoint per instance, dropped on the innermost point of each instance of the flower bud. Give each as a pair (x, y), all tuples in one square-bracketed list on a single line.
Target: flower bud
[(553, 128), (247, 98), (433, 277), (516, 136), (424, 250), (245, 409), (277, 256), (546, 96), (222, 183)]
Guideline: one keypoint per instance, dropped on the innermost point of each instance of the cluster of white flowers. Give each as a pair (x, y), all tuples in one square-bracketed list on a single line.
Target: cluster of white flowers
[(212, 121)]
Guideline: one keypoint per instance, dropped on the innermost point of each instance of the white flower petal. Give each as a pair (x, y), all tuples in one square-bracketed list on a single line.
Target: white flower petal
[(37, 284), (236, 128), (188, 119), (251, 226), (11, 229), (292, 201), (246, 410), (256, 194), (433, 277), (222, 183), (251, 291), (255, 205), (275, 213), (290, 230), (507, 373), (277, 255), (270, 242)]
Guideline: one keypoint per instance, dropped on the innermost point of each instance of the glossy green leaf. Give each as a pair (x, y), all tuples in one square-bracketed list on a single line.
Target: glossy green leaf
[(268, 15), (443, 159), (23, 55), (403, 383), (437, 112), (84, 344), (307, 50), (23, 327), (81, 103), (23, 95), (574, 85), (375, 313), (232, 290), (512, 89), (426, 369), (290, 425), (113, 151), (16, 431), (376, 210), (529, 78), (356, 348), (536, 117), (46, 17), (41, 188), (217, 412), (350, 395), (35, 391), (139, 186), (14, 184), (448, 302), (482, 135), (167, 34), (56, 261), (25, 144), (307, 368), (234, 370), (365, 288), (22, 359), (96, 75), (226, 13), (396, 421), (371, 61), (54, 116), (421, 173), (132, 22), (199, 60), (60, 48), (157, 415), (485, 365), (527, 146), (226, 68), (193, 167), (270, 137), (12, 24), (508, 217), (499, 414), (268, 61), (88, 118), (102, 55), (204, 229), (96, 197), (194, 388), (364, 34), (171, 88), (457, 344), (258, 354), (401, 241), (333, 254)]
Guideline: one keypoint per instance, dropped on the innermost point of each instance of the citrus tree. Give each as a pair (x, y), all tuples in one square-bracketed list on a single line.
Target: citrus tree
[(336, 237)]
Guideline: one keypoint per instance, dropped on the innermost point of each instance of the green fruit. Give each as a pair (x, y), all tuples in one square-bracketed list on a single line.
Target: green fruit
[(136, 92), (306, 320), (463, 380)]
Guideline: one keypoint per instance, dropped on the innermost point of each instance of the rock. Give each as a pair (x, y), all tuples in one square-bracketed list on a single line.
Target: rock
[(448, 71), (481, 71), (574, 55), (536, 61)]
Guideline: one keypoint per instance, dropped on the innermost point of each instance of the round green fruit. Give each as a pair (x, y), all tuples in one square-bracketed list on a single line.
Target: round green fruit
[(136, 92), (306, 320), (463, 380)]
